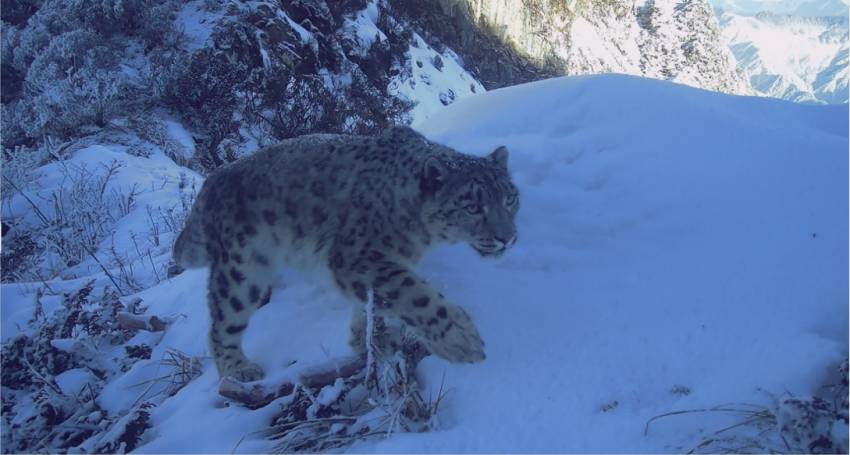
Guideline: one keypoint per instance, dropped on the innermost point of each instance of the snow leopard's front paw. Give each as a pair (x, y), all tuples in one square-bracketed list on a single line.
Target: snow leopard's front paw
[(243, 371), (455, 337)]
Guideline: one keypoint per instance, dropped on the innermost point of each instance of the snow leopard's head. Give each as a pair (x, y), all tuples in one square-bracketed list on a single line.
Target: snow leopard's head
[(471, 199)]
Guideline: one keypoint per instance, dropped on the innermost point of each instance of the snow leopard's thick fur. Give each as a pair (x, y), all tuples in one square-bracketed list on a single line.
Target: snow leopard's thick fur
[(366, 208)]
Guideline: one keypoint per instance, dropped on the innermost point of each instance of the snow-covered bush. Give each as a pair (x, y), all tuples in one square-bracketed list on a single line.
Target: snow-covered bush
[(19, 11), (154, 130), (111, 17), (204, 91), (284, 70), (156, 27), (83, 212), (267, 72), (12, 78), (63, 66), (73, 81), (53, 371), (70, 221)]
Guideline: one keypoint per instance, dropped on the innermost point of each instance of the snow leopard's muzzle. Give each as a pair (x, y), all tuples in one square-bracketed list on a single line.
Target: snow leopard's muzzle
[(494, 247), (496, 232)]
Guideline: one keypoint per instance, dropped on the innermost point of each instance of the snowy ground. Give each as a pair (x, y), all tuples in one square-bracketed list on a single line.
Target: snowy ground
[(678, 249)]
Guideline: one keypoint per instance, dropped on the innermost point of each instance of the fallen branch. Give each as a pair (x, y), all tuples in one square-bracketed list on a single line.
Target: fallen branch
[(254, 396), (321, 376), (141, 322)]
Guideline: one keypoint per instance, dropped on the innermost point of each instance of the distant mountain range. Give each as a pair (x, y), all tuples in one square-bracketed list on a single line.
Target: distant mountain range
[(808, 8), (801, 59)]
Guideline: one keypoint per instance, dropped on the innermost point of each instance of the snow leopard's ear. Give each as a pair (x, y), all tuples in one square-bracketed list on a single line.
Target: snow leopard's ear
[(434, 174), (500, 156)]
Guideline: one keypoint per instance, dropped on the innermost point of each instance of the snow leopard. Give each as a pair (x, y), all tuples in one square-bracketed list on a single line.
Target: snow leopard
[(365, 209)]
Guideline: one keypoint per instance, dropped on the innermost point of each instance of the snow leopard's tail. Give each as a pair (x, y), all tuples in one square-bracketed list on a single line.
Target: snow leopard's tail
[(190, 251)]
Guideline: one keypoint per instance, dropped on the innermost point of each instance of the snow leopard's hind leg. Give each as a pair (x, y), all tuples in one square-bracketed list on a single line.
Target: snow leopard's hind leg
[(239, 283)]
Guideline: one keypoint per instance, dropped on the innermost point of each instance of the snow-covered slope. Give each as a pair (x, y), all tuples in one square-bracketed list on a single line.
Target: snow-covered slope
[(678, 249), (800, 59), (433, 80)]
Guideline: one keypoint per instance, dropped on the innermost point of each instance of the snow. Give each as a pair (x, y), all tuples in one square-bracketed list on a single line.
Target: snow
[(158, 183), (178, 133), (72, 381), (431, 87), (305, 35), (197, 22), (364, 29), (330, 393), (677, 249), (64, 344), (17, 303)]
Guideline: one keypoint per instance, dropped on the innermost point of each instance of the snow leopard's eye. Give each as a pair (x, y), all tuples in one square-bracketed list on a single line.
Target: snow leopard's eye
[(473, 209), (510, 200)]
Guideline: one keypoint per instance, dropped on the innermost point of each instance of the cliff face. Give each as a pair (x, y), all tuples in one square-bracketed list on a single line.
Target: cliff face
[(676, 40), (681, 41)]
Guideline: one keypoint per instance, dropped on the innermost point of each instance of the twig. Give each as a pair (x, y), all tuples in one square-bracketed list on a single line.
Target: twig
[(754, 418), (153, 266), (102, 267), (370, 328), (41, 377), (690, 411), (38, 211)]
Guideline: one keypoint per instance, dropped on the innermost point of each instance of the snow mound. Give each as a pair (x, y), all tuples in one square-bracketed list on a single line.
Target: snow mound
[(670, 239)]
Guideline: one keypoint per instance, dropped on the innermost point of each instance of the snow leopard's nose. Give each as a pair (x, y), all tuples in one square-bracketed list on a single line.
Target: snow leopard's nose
[(506, 243)]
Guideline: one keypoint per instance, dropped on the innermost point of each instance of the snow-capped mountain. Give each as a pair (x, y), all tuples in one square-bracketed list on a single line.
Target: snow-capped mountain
[(800, 59), (785, 7)]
